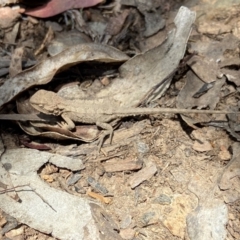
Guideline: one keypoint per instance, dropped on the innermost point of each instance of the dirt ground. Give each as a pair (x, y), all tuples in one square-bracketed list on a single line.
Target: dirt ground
[(163, 176)]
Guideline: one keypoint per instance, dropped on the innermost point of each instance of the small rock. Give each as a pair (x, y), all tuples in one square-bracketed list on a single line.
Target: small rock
[(127, 233), (147, 217), (208, 222), (202, 147), (142, 147), (126, 222), (162, 199), (224, 154)]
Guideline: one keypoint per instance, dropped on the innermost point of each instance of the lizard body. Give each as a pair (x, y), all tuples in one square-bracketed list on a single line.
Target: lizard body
[(85, 111), (92, 111), (100, 112)]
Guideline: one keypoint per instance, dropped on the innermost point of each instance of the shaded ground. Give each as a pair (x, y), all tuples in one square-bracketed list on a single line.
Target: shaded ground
[(164, 179)]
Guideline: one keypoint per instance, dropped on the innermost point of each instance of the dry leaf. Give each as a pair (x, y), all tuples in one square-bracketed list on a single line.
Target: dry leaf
[(8, 17), (43, 72), (16, 62), (54, 7)]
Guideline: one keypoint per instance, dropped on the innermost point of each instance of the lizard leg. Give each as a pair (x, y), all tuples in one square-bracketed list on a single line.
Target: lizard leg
[(68, 124), (108, 131)]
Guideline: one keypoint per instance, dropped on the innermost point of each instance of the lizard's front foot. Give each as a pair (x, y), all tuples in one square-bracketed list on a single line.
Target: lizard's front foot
[(65, 126), (68, 124)]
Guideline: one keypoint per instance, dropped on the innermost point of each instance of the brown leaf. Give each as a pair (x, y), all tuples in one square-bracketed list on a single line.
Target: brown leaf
[(54, 7), (8, 17), (44, 71), (16, 62)]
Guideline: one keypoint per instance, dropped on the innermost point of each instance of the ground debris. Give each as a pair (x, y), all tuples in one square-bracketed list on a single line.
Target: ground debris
[(164, 176)]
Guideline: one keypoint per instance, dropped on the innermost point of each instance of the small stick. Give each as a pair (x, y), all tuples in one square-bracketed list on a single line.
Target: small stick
[(27, 117)]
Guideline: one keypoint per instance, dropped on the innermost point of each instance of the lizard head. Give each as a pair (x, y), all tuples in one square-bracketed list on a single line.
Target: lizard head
[(46, 102)]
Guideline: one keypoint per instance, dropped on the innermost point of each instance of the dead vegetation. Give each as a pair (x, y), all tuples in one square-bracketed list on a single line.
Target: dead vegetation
[(161, 175)]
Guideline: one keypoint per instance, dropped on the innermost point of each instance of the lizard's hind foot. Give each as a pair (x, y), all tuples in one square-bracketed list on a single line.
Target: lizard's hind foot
[(108, 130)]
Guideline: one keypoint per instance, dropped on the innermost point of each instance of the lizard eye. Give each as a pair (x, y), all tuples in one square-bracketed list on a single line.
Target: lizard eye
[(56, 112)]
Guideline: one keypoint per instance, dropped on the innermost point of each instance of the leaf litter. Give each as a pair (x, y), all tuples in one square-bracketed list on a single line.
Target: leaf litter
[(170, 185)]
